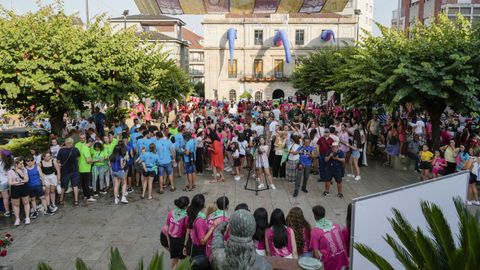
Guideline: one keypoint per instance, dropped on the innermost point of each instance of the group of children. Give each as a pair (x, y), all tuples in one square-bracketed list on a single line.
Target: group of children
[(189, 229)]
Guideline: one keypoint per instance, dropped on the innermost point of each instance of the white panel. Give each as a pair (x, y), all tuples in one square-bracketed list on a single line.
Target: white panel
[(370, 215)]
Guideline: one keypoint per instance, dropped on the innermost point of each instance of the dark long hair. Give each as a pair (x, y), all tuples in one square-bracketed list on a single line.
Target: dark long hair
[(277, 224), (182, 202), (198, 203), (296, 220), (116, 154), (357, 138), (213, 136), (7, 159), (261, 219)]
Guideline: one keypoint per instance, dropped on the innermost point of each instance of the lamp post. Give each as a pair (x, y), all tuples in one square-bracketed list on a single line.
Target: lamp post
[(125, 14), (87, 12), (357, 12)]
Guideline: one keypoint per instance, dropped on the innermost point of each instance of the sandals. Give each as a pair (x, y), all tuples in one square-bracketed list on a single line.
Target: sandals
[(172, 189), (150, 197), (61, 202), (187, 189)]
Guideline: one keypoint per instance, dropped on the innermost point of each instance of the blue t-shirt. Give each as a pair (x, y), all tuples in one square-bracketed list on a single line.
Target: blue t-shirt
[(163, 147), (130, 157), (134, 138), (150, 160), (117, 130), (179, 142), (34, 177), (335, 165), (143, 142), (191, 146), (305, 159)]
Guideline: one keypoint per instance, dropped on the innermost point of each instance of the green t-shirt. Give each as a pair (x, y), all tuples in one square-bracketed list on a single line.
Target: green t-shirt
[(96, 155), (109, 147), (83, 166), (173, 131)]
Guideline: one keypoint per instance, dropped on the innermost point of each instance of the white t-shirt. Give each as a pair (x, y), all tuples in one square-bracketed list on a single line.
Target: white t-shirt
[(259, 129), (242, 146), (419, 126), (276, 113), (273, 125), (3, 174), (293, 148)]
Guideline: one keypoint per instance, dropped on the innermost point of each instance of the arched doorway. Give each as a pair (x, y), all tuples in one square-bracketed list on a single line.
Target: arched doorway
[(233, 95), (278, 93), (258, 96)]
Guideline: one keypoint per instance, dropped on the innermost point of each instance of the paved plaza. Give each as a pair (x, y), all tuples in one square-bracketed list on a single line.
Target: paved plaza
[(88, 231)]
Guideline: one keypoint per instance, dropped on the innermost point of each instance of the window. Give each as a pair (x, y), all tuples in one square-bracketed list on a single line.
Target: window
[(466, 11), (258, 68), (197, 69), (299, 37), (232, 69), (258, 37), (233, 95), (258, 96), (278, 68), (196, 57)]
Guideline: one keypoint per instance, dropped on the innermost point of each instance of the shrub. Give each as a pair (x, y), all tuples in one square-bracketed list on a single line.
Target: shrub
[(22, 146)]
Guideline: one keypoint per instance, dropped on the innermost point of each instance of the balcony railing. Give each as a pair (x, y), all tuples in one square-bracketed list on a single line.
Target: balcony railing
[(197, 73), (196, 60), (264, 79)]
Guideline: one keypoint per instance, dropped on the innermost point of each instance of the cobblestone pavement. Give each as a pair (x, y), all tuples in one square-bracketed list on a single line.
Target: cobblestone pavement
[(88, 231)]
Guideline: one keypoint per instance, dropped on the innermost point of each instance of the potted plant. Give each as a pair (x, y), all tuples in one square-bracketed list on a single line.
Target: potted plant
[(5, 242)]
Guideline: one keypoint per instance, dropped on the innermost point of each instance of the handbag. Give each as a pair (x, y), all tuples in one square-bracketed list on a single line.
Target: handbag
[(285, 155)]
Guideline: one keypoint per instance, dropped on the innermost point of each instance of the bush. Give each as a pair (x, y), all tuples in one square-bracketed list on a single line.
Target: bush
[(115, 115), (21, 147)]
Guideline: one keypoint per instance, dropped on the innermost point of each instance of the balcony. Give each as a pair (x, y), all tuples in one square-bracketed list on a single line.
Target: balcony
[(196, 60), (196, 73), (264, 79)]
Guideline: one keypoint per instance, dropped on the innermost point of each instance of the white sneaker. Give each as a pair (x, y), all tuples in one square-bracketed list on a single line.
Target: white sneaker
[(124, 200), (69, 190), (91, 199), (476, 203), (261, 186), (27, 221), (116, 201), (17, 222), (469, 202), (126, 194), (272, 186), (358, 177), (350, 175), (236, 178)]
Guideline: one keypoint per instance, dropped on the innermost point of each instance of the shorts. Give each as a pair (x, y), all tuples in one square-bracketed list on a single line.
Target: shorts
[(242, 156), (130, 170), (165, 169), (236, 162), (36, 192), (189, 167), (334, 175), (176, 248), (149, 173), (119, 174), (4, 186), (163, 240), (73, 178), (425, 165), (355, 154), (51, 179), (138, 166), (18, 192), (179, 157), (472, 179)]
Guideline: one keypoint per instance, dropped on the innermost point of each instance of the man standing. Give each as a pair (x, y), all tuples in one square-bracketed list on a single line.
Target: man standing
[(99, 118), (324, 145), (67, 159), (179, 149), (413, 149), (373, 129), (85, 166), (166, 154), (334, 162)]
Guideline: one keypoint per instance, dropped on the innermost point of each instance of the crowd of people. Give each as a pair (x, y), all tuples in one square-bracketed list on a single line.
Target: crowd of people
[(190, 227)]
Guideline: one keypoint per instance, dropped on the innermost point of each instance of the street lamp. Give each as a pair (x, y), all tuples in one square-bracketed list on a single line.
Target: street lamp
[(357, 13), (125, 14)]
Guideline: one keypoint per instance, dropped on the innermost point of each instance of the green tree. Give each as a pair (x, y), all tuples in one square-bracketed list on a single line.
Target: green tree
[(200, 89), (169, 82), (418, 250)]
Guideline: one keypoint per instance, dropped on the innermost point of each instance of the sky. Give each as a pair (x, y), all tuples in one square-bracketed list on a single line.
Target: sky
[(382, 10)]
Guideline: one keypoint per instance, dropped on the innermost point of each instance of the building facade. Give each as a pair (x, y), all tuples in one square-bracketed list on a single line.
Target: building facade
[(362, 10), (258, 66), (196, 58), (164, 30), (409, 11)]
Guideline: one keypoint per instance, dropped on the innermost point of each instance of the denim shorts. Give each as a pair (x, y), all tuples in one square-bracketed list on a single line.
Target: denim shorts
[(356, 154), (189, 167), (119, 174), (165, 169), (4, 186)]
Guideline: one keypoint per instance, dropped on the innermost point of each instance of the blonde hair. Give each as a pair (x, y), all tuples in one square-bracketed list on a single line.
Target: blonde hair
[(69, 141), (211, 208)]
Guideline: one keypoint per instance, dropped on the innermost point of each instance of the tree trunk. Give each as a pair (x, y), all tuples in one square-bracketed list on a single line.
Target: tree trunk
[(57, 122), (435, 113)]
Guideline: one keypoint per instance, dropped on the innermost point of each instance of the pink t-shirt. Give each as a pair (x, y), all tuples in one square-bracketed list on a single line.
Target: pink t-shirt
[(437, 165), (279, 252), (211, 222), (346, 239), (200, 229), (331, 246), (260, 245), (175, 228), (306, 241)]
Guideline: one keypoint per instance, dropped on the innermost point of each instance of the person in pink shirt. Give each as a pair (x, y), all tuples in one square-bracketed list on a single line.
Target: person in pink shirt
[(215, 218), (301, 228), (326, 241), (346, 229), (438, 164), (261, 220), (198, 232), (173, 232), (280, 239)]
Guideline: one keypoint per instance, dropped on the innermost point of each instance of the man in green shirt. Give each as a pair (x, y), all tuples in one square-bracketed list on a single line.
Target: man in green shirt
[(85, 167)]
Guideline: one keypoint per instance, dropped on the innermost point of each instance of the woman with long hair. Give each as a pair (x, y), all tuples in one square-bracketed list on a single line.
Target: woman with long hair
[(473, 165), (261, 220), (296, 220), (261, 163), (356, 148), (197, 228), (51, 171), (117, 165), (150, 162), (216, 148), (6, 163), (280, 239), (173, 232), (393, 144), (450, 154), (279, 148), (18, 181)]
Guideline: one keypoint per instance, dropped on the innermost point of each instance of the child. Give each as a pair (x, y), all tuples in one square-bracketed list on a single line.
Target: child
[(438, 164), (236, 160), (296, 220), (215, 218), (173, 233), (425, 162), (189, 157)]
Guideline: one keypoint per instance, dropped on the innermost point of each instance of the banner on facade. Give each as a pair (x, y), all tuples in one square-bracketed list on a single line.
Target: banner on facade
[(240, 7)]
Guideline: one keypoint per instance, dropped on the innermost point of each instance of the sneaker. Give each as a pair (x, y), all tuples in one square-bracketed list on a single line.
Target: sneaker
[(54, 208), (469, 202), (261, 186), (272, 186), (116, 201), (27, 221), (295, 193), (124, 200), (69, 190), (358, 177), (305, 190), (39, 207), (130, 190), (7, 214), (103, 192), (477, 203), (91, 199), (49, 212), (17, 222), (237, 178), (340, 195), (350, 175), (33, 215), (95, 194), (326, 193)]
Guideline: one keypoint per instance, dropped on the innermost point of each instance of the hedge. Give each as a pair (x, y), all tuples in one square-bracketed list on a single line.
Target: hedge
[(21, 146)]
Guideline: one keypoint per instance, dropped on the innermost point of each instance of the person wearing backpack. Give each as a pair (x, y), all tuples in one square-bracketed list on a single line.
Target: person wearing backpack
[(189, 159), (117, 165)]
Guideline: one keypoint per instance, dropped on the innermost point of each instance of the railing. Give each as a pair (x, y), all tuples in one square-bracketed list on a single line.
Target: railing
[(194, 72), (264, 79), (196, 60)]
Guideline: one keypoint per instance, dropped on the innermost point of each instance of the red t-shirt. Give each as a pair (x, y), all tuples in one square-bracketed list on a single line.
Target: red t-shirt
[(324, 145)]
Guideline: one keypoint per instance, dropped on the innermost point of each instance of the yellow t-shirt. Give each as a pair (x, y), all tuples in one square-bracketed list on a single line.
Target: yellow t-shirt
[(426, 156)]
